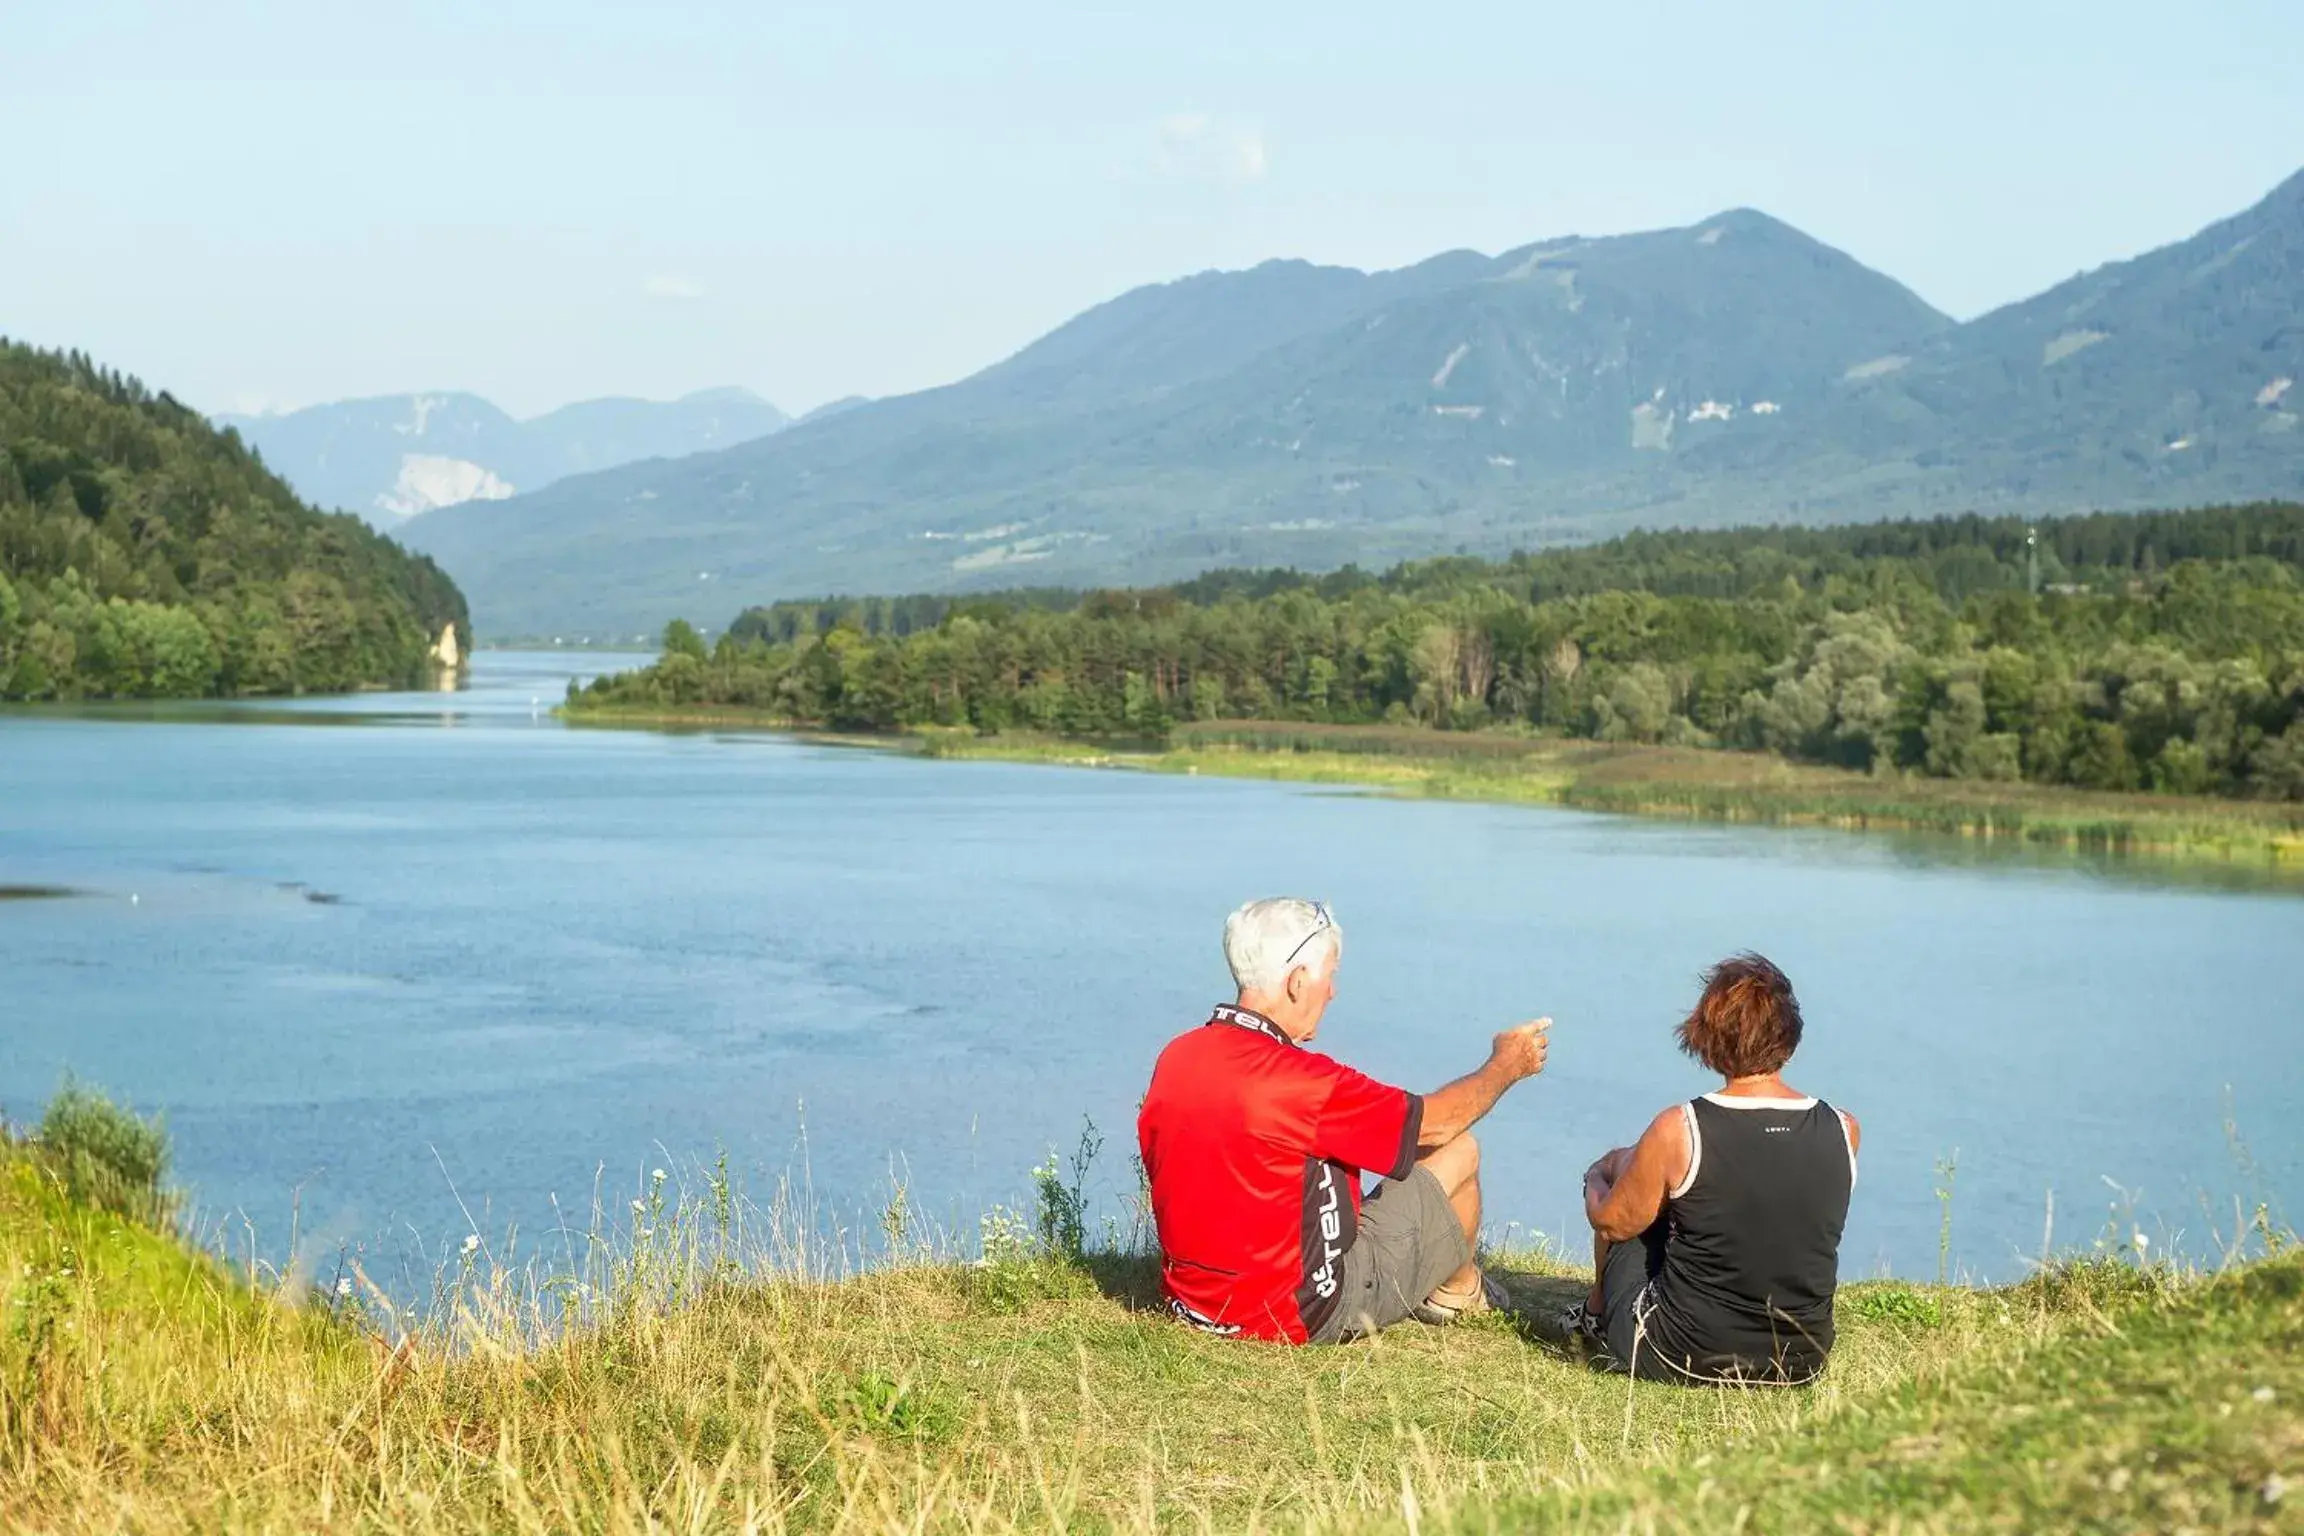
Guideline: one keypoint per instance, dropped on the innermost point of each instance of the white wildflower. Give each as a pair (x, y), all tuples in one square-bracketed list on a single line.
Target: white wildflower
[(471, 1242), (344, 1286), (2262, 1394), (638, 1206), (657, 1174)]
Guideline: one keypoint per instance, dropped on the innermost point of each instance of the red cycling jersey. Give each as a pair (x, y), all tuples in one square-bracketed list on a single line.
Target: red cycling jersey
[(1254, 1147)]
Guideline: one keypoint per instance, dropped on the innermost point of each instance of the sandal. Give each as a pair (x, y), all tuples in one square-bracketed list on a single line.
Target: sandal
[(1444, 1306)]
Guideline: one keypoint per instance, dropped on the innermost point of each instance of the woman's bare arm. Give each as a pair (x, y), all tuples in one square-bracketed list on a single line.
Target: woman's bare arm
[(1624, 1206)]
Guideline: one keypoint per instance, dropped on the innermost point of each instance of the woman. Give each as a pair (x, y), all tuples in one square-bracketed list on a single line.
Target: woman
[(1716, 1238)]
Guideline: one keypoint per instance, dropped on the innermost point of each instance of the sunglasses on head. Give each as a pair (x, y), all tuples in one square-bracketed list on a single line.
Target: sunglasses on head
[(1321, 923)]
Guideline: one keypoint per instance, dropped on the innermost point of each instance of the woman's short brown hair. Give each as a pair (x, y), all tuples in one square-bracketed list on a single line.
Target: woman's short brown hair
[(1747, 1022)]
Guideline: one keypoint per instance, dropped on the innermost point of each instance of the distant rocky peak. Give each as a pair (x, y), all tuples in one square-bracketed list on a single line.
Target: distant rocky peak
[(392, 457), (429, 480), (1746, 221), (420, 409)]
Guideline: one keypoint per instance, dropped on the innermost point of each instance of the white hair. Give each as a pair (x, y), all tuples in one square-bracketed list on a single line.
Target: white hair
[(1261, 937)]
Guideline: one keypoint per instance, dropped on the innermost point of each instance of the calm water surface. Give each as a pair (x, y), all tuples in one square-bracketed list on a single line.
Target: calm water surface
[(388, 960)]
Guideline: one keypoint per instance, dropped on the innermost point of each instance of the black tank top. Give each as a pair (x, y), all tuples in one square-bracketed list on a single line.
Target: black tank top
[(1752, 1244)]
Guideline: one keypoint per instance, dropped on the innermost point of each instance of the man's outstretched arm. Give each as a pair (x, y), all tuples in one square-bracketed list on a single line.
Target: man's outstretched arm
[(1451, 1111)]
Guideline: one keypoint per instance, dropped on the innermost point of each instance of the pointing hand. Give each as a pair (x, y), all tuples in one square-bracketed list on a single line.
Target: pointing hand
[(1521, 1049)]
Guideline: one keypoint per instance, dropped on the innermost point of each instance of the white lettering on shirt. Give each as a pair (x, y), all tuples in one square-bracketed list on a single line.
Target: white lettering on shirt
[(1324, 1279)]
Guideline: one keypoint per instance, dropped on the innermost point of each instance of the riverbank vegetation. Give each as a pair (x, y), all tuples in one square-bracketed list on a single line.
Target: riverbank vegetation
[(1682, 782), (143, 554), (1927, 674), (695, 1365), (2165, 653)]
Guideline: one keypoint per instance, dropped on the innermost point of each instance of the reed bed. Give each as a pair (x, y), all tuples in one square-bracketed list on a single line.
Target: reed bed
[(1688, 783), (1706, 785)]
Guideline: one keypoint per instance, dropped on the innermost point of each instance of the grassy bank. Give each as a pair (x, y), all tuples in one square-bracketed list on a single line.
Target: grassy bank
[(1685, 782), (694, 1371), (1711, 785)]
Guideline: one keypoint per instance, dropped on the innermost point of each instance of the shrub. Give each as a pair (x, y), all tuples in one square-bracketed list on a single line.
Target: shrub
[(107, 1155), (1063, 1207)]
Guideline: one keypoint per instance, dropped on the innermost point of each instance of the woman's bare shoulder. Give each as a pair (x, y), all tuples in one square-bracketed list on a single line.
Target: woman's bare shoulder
[(1669, 1128)]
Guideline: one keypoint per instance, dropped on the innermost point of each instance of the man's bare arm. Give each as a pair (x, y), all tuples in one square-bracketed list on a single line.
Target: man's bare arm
[(1449, 1112)]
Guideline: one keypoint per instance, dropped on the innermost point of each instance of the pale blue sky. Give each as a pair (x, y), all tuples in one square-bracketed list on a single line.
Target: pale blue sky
[(283, 203)]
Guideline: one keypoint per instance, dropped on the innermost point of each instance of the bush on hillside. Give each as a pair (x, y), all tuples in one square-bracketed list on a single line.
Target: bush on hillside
[(107, 1155)]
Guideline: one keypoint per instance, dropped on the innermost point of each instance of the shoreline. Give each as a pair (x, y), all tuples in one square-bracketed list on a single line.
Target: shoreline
[(1680, 783)]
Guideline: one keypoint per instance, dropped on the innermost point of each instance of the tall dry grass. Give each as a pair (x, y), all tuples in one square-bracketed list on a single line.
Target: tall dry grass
[(695, 1362)]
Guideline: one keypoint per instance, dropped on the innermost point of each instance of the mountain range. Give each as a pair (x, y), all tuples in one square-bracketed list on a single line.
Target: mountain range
[(394, 456), (1730, 371)]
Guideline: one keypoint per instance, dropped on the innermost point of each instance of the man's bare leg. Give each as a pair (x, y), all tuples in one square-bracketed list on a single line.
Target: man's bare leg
[(1456, 1165)]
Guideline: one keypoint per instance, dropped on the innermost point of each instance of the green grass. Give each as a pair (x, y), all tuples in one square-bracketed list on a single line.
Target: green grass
[(700, 1370), (2162, 1405)]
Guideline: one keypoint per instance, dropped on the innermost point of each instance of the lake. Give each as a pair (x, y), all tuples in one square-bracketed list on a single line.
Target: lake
[(403, 966)]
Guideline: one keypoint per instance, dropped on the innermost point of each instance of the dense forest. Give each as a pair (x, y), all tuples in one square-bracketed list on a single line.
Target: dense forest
[(2158, 651), (143, 554)]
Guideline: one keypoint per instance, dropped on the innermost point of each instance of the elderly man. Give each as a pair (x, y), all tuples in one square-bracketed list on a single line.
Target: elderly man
[(1255, 1148)]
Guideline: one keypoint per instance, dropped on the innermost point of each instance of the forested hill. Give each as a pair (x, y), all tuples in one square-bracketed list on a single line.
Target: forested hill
[(2163, 651), (1957, 557), (145, 554)]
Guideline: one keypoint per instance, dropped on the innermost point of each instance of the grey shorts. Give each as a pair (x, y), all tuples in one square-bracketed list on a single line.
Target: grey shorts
[(1408, 1243)]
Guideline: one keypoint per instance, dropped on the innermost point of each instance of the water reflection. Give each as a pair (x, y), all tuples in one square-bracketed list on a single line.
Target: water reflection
[(502, 686)]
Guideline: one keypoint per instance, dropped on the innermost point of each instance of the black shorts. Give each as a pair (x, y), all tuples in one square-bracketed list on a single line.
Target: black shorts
[(1624, 1277), (1409, 1242), (1631, 1332)]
